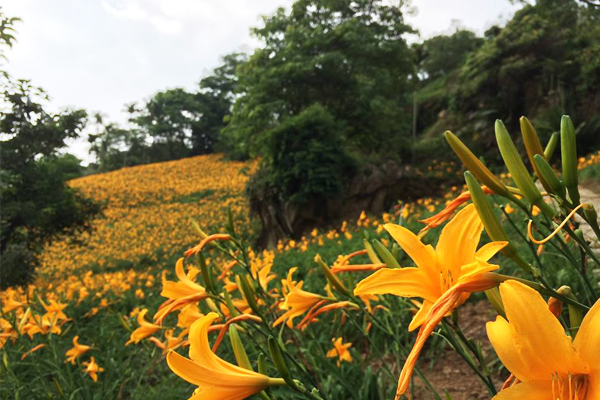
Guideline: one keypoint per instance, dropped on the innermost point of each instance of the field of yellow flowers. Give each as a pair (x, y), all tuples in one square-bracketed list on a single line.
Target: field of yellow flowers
[(109, 306)]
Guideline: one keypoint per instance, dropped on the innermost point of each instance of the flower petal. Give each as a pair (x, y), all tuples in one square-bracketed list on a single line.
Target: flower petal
[(488, 250), (420, 317), (526, 390), (542, 343), (501, 337), (459, 239), (587, 341), (404, 282), (423, 256)]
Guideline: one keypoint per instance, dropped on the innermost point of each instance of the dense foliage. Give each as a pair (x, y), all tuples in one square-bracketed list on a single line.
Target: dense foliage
[(37, 204)]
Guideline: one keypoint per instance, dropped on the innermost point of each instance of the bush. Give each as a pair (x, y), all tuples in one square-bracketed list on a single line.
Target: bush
[(305, 157)]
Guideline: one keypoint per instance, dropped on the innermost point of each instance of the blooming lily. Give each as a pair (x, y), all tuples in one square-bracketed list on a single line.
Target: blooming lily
[(296, 300), (76, 351), (92, 369), (146, 329), (216, 378), (533, 345), (340, 350), (179, 293), (443, 278)]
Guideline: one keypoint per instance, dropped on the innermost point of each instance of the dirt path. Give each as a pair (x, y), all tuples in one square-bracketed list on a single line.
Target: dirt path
[(590, 193)]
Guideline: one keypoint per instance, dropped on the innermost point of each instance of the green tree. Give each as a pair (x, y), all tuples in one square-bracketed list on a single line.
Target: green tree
[(443, 54), (349, 57), (542, 59), (36, 202)]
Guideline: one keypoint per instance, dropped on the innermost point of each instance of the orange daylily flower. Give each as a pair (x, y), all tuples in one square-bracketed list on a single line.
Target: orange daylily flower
[(438, 219), (10, 303), (55, 309), (340, 350), (179, 293), (33, 350), (42, 324), (316, 311), (336, 269), (216, 378), (188, 315), (92, 369), (296, 300), (76, 351), (146, 329), (443, 278), (198, 248), (533, 345), (171, 342)]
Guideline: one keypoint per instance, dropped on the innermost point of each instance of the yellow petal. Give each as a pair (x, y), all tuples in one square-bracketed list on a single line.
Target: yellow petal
[(593, 391), (459, 239), (501, 337), (542, 343), (527, 390), (420, 317), (423, 256), (404, 282), (200, 350), (183, 278), (214, 393), (472, 271), (488, 250), (587, 341)]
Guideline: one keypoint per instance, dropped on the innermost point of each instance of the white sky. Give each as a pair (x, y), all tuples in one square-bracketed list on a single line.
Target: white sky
[(100, 54)]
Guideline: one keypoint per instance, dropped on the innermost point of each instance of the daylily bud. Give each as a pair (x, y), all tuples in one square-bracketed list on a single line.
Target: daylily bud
[(279, 362), (238, 349), (533, 147), (568, 149), (395, 250), (385, 254), (476, 167), (371, 253), (551, 146), (491, 223), (331, 278), (249, 293), (228, 303), (207, 277), (203, 235), (517, 169), (575, 314), (262, 364), (493, 295), (592, 217), (211, 305), (544, 170)]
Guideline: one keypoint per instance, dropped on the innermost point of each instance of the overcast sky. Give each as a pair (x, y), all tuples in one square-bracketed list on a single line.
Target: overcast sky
[(100, 54)]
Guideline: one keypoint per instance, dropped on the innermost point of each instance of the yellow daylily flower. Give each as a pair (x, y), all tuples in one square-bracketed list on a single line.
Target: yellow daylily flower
[(180, 294), (92, 369), (455, 260), (296, 301), (340, 350), (76, 351), (216, 378), (444, 276), (533, 345), (146, 329)]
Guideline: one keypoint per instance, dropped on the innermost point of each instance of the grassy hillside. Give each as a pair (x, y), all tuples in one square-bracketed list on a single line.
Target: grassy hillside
[(95, 285)]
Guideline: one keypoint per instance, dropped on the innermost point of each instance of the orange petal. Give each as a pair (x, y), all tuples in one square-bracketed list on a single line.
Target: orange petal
[(404, 282)]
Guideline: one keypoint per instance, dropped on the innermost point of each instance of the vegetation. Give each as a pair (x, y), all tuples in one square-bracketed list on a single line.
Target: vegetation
[(36, 202), (164, 296)]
